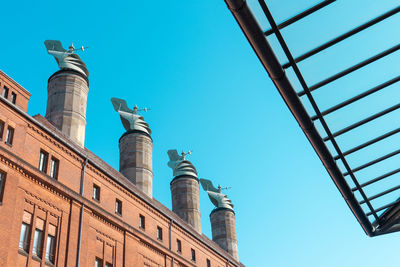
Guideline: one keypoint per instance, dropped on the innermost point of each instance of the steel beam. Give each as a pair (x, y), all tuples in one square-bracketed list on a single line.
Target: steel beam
[(264, 52)]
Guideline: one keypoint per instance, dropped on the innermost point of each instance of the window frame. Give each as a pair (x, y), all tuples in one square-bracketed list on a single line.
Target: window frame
[(98, 261), (24, 240), (10, 137), (50, 251), (193, 253), (43, 164), (5, 92), (159, 233), (142, 222), (54, 171), (118, 206), (96, 192), (178, 246), (37, 247), (13, 98), (3, 177), (2, 127)]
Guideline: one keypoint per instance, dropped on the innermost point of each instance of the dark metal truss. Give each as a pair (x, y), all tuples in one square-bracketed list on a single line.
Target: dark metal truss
[(374, 219)]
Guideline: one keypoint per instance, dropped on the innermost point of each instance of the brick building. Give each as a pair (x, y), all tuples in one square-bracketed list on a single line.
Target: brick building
[(61, 205)]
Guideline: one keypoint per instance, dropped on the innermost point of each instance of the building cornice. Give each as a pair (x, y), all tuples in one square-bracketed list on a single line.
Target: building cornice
[(14, 82)]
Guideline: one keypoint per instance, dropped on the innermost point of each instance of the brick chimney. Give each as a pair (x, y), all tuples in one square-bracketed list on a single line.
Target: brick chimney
[(185, 189), (135, 147), (224, 230), (222, 218), (136, 159), (67, 92)]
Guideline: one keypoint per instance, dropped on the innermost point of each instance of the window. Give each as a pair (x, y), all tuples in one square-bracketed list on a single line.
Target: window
[(208, 263), (43, 160), (1, 129), (108, 264), (24, 237), (193, 254), (142, 221), (178, 246), (51, 243), (10, 135), (54, 167), (5, 92), (38, 243), (159, 233), (2, 185), (118, 206), (98, 262), (96, 192), (13, 97), (50, 246)]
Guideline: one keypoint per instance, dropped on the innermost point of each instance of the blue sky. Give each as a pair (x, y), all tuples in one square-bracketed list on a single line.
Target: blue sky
[(190, 63)]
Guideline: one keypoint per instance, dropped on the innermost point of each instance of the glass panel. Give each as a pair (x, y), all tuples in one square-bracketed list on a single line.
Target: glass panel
[(10, 135), (98, 262), (37, 243), (13, 98), (142, 221), (193, 255), (1, 129), (23, 238), (53, 168), (96, 192), (159, 233), (50, 248), (5, 92), (118, 206), (43, 161), (2, 180)]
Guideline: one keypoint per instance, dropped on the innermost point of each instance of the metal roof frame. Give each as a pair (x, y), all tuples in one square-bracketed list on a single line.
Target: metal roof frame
[(373, 223)]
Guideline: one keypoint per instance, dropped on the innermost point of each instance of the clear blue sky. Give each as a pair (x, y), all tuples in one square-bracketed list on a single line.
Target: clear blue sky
[(190, 63)]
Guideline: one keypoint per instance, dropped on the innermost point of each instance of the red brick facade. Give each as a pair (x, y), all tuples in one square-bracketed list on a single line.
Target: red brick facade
[(40, 215)]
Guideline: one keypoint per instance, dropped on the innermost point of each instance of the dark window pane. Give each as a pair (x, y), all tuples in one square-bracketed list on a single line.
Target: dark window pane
[(193, 255), (50, 246), (1, 129), (96, 192), (159, 233), (178, 245), (118, 206), (38, 243), (54, 168), (98, 263), (24, 237), (43, 157), (2, 185), (5, 92), (142, 222), (10, 135), (13, 97)]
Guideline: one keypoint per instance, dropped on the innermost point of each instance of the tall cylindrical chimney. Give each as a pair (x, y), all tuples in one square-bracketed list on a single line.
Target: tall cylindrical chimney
[(135, 147), (224, 230), (66, 103), (185, 189), (135, 159), (67, 91), (222, 218)]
